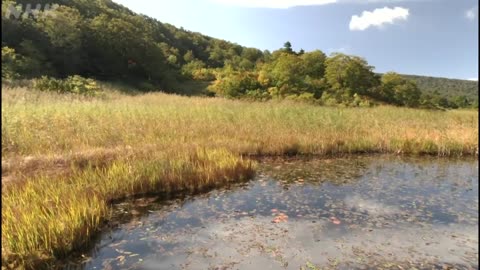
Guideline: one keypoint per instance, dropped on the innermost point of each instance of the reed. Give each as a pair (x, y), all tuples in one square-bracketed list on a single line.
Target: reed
[(65, 158), (35, 123), (44, 218)]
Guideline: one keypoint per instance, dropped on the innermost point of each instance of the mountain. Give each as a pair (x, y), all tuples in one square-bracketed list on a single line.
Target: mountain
[(448, 88), (102, 39)]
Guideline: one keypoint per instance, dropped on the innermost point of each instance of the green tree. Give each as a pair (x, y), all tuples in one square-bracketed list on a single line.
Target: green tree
[(64, 31), (407, 94), (287, 47), (461, 101), (286, 73), (349, 75), (396, 89), (11, 63), (234, 84), (188, 56), (389, 81), (314, 63), (251, 54)]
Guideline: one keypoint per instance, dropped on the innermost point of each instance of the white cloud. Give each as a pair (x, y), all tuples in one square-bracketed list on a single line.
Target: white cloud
[(378, 18), (473, 79), (472, 13), (275, 3)]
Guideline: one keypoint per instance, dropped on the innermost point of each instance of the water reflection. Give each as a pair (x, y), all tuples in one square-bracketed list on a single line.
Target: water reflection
[(326, 213)]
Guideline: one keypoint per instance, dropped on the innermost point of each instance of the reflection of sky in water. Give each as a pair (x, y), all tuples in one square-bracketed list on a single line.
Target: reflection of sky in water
[(413, 204)]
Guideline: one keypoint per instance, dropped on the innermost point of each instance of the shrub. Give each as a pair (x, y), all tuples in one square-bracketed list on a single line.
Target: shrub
[(11, 63), (258, 94), (146, 86), (304, 97), (234, 84), (203, 74), (73, 84)]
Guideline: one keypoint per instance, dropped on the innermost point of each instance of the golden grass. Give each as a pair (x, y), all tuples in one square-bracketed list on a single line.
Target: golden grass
[(46, 218), (45, 124), (69, 157)]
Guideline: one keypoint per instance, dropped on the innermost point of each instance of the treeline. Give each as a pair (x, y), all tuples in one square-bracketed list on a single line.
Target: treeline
[(314, 77), (448, 92), (106, 41)]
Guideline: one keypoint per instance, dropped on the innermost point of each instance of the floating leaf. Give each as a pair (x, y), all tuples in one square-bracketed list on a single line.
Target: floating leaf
[(335, 220)]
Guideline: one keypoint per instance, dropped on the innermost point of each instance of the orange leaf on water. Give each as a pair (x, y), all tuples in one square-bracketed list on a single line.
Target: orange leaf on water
[(335, 220)]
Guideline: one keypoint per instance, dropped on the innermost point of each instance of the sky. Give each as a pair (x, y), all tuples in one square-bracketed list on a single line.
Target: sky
[(423, 37)]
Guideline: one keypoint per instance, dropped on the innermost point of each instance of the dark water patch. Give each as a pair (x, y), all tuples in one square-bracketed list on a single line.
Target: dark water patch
[(343, 213)]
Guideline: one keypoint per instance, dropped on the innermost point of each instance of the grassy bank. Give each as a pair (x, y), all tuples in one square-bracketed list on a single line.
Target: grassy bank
[(45, 218), (64, 158), (45, 124)]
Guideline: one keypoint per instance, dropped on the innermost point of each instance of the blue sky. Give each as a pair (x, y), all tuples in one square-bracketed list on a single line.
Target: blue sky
[(424, 37)]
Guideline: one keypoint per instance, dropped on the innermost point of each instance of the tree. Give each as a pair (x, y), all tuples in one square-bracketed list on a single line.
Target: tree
[(398, 90), (10, 64), (251, 54), (287, 74), (314, 63), (267, 56), (35, 61), (349, 75), (64, 31), (461, 101), (389, 81), (234, 84), (287, 47), (188, 56), (407, 94)]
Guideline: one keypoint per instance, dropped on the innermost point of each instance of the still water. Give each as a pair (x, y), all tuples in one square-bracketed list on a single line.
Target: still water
[(344, 213)]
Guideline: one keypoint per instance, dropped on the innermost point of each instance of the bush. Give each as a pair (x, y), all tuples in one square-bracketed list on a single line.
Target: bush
[(304, 97), (11, 63), (203, 74), (232, 84), (146, 86), (73, 84), (258, 94)]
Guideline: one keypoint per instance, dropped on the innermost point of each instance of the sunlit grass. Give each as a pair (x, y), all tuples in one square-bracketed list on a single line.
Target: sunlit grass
[(66, 158), (37, 123), (46, 218)]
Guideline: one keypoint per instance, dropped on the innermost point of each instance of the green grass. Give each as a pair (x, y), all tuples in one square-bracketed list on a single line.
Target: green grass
[(65, 158)]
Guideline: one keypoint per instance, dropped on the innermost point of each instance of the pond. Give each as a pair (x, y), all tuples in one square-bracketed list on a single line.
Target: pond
[(343, 213)]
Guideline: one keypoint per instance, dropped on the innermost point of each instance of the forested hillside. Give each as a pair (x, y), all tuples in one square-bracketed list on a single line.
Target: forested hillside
[(452, 89), (106, 41)]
